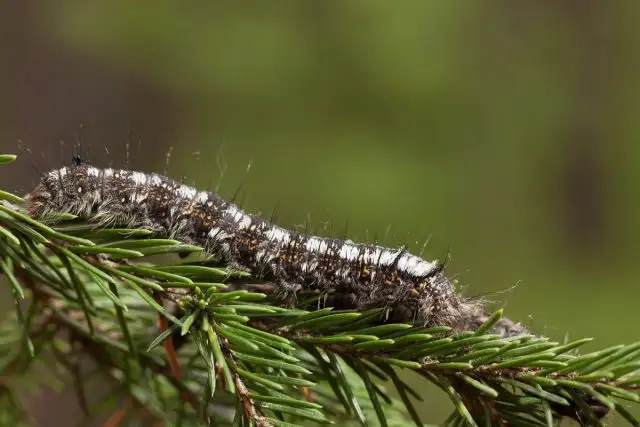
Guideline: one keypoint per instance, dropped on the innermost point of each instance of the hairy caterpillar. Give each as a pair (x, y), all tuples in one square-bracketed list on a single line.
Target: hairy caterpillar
[(410, 288)]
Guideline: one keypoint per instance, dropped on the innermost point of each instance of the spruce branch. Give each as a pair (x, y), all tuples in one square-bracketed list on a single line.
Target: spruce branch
[(180, 339)]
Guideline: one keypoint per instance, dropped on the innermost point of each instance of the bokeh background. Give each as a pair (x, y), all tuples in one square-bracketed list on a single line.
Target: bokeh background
[(507, 132)]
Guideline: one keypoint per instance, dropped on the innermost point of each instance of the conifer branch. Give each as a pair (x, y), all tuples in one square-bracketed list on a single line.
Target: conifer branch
[(224, 352)]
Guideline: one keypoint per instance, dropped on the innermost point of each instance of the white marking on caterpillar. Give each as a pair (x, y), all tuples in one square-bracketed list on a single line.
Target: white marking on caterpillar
[(139, 178), (186, 192), (416, 266), (202, 197), (349, 252), (278, 235), (316, 244)]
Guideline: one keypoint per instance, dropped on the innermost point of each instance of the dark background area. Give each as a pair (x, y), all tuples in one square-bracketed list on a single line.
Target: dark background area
[(507, 132)]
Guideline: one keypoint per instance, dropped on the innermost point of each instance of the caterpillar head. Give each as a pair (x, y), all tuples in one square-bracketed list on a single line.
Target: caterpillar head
[(60, 191)]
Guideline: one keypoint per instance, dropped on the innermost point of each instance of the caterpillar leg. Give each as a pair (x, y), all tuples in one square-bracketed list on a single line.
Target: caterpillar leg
[(287, 293)]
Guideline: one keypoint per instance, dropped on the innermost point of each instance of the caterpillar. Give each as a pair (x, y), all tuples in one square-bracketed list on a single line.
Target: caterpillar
[(410, 288)]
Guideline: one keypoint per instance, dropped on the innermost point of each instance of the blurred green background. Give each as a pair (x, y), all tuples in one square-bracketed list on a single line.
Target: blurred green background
[(505, 131)]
